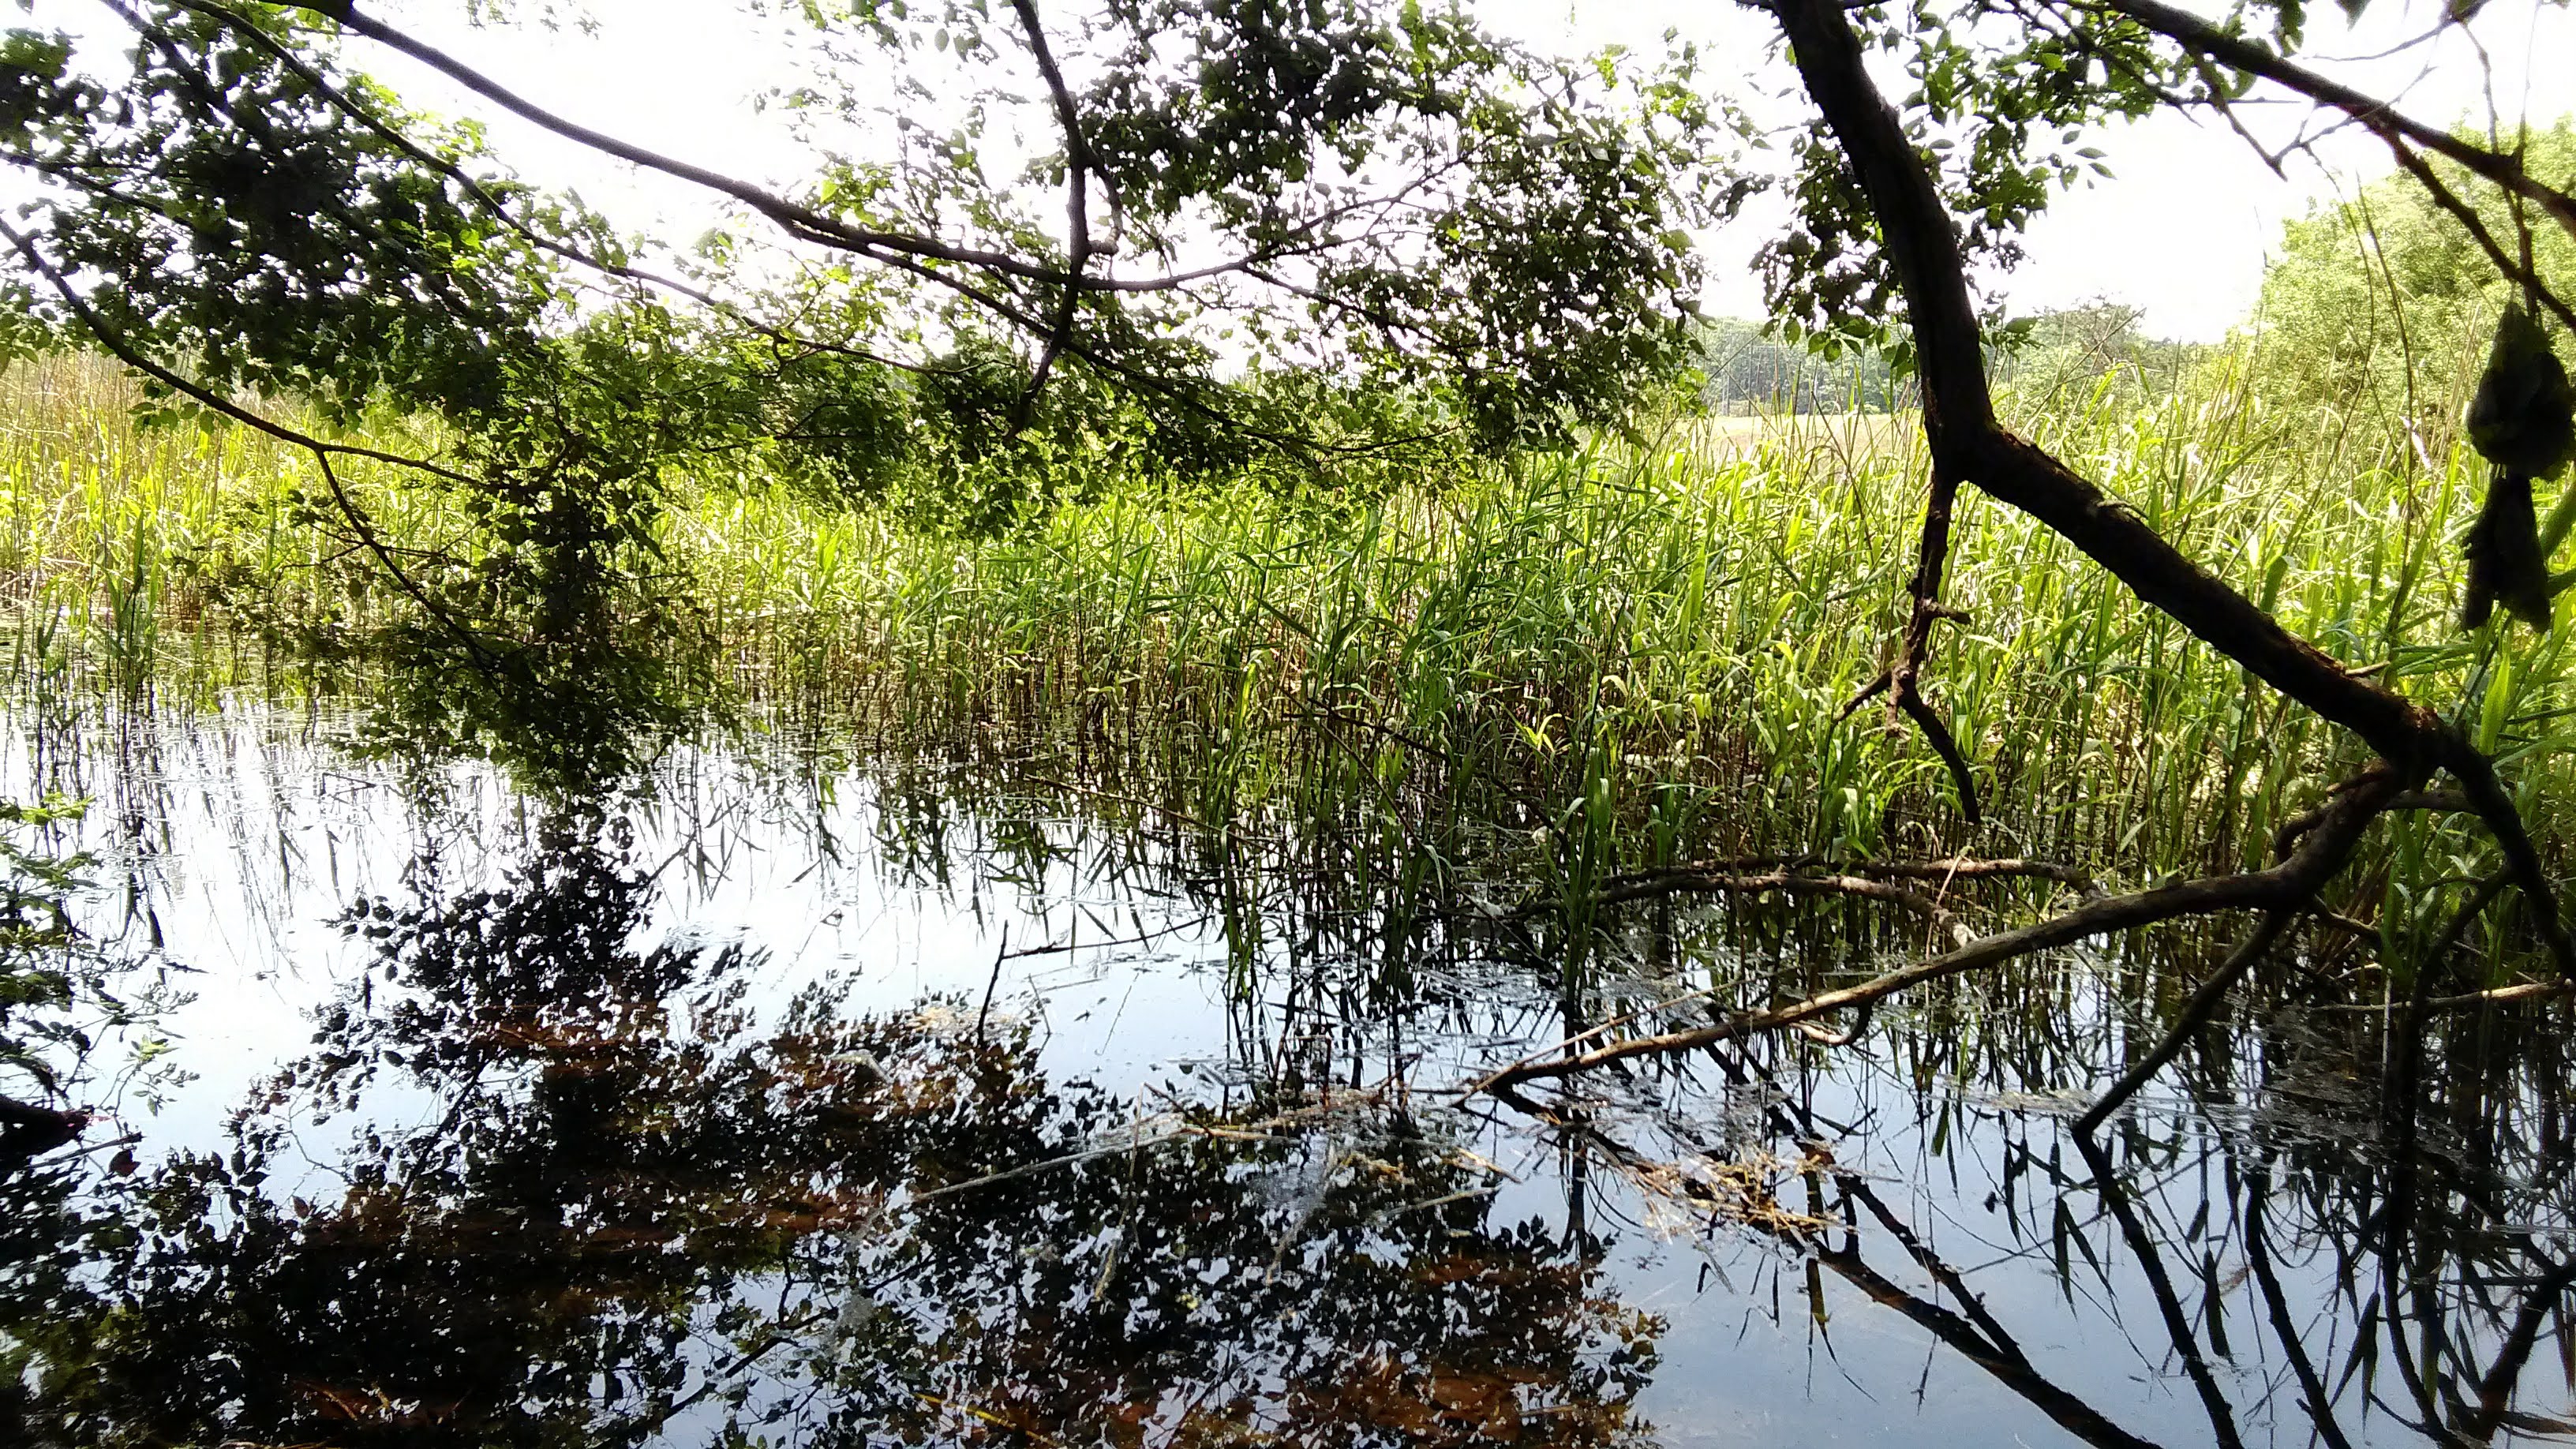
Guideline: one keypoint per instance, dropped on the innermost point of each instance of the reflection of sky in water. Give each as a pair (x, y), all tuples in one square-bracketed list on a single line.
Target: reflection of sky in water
[(256, 841), (241, 840)]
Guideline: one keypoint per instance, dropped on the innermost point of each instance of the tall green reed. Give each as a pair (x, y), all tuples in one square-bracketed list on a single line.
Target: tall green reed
[(1591, 661), (1642, 651)]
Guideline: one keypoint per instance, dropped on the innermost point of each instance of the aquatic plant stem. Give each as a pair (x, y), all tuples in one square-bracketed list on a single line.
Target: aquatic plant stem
[(2196, 1012)]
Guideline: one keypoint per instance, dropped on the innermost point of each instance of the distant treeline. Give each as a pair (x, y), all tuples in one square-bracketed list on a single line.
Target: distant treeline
[(1750, 370)]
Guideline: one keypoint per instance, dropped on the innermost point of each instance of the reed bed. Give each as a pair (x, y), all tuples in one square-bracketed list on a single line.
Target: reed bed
[(1631, 654), (1671, 631)]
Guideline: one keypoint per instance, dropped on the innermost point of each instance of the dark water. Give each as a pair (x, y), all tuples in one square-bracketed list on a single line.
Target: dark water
[(801, 1101)]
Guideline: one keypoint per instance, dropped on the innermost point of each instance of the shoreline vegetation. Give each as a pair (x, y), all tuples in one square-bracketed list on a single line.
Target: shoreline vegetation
[(1633, 655)]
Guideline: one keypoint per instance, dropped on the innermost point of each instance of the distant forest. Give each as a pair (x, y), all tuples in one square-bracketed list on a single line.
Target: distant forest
[(1751, 370)]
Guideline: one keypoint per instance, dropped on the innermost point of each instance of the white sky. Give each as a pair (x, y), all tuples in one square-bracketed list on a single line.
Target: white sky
[(2182, 231), (2185, 226)]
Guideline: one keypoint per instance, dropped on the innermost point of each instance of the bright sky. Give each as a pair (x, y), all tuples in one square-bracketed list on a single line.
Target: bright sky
[(2182, 231), (2184, 228)]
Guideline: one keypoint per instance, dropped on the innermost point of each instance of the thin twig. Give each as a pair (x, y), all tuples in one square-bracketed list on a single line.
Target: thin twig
[(2486, 794)]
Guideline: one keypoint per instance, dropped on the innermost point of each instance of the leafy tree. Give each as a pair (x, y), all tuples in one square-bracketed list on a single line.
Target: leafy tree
[(1750, 369), (1402, 198), (2043, 357), (2383, 304), (2096, 348)]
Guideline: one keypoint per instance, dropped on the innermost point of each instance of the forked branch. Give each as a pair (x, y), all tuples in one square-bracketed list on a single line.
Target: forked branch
[(1967, 442), (1079, 167), (1902, 683)]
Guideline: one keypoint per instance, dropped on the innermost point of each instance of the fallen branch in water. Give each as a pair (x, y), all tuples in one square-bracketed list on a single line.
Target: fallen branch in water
[(2204, 1003), (1806, 875), (2286, 886), (2468, 1001), (2294, 829), (1771, 882)]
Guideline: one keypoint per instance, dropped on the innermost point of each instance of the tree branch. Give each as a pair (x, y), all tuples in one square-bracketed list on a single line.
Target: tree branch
[(2196, 1012), (475, 189), (2283, 887), (2487, 796), (125, 352), (2512, 266), (1905, 694), (799, 218), (1660, 884), (1809, 875), (2379, 117), (1079, 164)]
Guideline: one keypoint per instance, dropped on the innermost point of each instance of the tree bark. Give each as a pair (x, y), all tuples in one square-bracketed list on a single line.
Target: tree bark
[(1967, 442)]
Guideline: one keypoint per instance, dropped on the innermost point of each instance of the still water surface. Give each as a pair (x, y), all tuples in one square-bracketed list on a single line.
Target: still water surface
[(798, 1099)]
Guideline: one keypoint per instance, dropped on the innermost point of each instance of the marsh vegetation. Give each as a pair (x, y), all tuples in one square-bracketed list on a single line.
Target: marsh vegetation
[(927, 823), (1017, 987)]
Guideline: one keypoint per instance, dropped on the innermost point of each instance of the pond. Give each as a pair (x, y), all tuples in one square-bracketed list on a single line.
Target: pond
[(801, 1094)]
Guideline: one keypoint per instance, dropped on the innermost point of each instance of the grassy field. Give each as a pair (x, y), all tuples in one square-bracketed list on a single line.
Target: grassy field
[(1634, 654)]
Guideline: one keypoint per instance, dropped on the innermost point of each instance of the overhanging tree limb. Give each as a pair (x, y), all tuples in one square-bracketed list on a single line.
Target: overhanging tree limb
[(2526, 279), (124, 351), (799, 220), (482, 194), (1965, 438)]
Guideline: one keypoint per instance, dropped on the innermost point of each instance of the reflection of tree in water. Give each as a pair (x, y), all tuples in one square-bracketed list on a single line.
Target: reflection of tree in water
[(2353, 1260), (619, 1210)]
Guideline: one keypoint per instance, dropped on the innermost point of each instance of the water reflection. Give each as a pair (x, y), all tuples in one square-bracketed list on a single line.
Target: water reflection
[(616, 1204), (657, 1124)]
